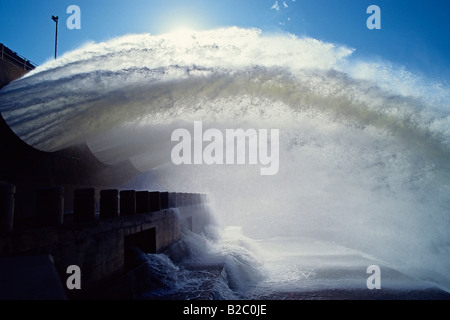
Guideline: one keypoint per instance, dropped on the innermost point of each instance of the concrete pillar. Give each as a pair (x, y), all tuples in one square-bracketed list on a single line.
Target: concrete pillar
[(185, 199), (109, 203), (188, 199), (179, 199), (195, 199), (142, 203), (154, 201), (50, 206), (84, 205), (7, 192), (172, 200), (164, 198), (127, 202)]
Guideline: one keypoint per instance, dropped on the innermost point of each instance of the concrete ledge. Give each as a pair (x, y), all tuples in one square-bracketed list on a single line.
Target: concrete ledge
[(99, 247), (96, 237)]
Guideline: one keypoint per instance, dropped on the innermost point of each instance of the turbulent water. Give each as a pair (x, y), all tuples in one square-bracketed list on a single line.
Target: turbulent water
[(364, 158)]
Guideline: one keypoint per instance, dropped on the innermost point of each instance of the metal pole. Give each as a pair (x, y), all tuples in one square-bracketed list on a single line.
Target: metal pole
[(56, 33), (56, 37)]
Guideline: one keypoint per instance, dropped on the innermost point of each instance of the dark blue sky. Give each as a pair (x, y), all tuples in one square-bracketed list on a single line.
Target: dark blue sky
[(414, 34)]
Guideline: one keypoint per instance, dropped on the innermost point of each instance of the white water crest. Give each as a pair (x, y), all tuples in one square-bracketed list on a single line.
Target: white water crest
[(364, 146)]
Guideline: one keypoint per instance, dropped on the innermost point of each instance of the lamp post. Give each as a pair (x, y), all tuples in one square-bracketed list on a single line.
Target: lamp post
[(56, 35)]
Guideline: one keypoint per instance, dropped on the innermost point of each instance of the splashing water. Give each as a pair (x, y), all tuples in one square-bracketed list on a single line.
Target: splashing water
[(364, 147)]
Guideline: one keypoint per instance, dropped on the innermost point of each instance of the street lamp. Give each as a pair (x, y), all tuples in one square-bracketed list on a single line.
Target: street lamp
[(56, 35)]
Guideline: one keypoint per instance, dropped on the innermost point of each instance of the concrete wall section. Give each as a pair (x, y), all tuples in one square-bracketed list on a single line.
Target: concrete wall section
[(9, 72), (12, 65), (100, 246)]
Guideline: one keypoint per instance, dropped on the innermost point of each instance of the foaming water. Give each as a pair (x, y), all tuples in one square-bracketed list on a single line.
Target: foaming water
[(224, 264), (218, 265), (364, 147)]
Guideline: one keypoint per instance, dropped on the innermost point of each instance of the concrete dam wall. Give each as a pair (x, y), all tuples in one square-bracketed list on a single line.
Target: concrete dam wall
[(64, 209), (12, 65), (30, 169), (99, 242)]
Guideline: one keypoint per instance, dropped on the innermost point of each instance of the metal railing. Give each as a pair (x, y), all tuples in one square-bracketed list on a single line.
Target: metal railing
[(16, 59)]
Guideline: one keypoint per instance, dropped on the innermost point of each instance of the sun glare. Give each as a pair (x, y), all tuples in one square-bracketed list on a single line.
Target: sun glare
[(182, 31), (181, 35), (182, 20)]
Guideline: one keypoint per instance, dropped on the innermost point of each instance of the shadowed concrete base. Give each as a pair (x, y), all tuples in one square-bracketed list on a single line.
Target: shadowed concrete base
[(30, 278)]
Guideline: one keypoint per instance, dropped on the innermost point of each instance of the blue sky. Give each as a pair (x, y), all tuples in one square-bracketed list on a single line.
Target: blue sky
[(414, 34)]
